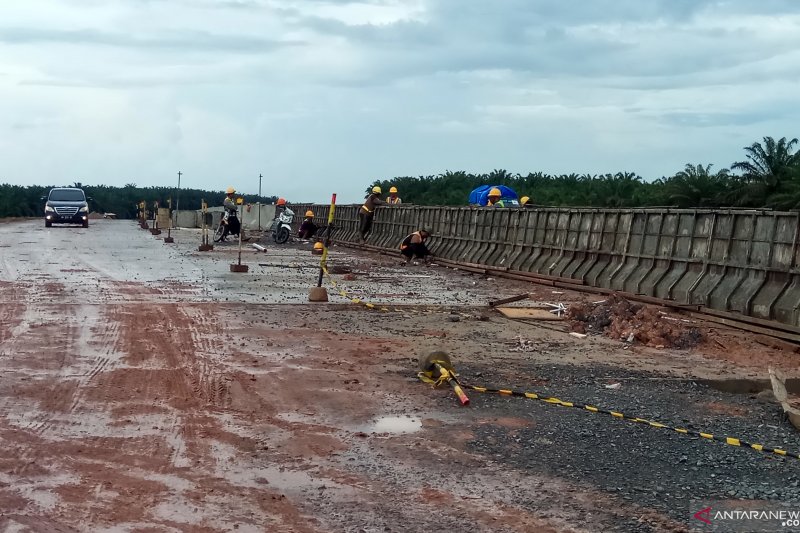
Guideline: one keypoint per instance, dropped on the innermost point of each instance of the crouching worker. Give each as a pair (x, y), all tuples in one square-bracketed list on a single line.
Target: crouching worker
[(307, 228), (414, 246)]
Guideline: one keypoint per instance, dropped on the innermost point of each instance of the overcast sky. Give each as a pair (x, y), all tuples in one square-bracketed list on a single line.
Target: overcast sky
[(326, 96)]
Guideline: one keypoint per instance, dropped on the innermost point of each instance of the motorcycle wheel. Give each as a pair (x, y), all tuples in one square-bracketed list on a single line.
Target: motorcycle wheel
[(219, 233), (282, 235)]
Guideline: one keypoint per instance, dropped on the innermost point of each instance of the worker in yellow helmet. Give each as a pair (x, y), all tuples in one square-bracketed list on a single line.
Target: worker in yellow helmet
[(307, 228), (367, 212), (495, 198), (525, 201), (230, 220), (393, 199)]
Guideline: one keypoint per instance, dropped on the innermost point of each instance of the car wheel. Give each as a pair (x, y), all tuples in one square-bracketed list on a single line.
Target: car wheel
[(85, 223), (48, 224)]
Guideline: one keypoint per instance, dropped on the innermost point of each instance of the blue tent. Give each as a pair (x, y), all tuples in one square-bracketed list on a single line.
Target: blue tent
[(480, 196)]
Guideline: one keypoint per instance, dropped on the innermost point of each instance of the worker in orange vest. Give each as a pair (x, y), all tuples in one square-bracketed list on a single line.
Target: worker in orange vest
[(393, 199), (413, 246)]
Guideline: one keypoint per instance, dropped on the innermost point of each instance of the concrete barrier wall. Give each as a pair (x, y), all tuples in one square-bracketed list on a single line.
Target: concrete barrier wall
[(250, 219), (744, 261)]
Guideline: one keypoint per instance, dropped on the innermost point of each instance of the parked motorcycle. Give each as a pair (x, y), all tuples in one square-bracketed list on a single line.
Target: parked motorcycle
[(282, 226), (229, 225)]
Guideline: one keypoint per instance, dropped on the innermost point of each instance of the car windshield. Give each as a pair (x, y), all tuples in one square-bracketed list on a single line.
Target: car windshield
[(67, 195)]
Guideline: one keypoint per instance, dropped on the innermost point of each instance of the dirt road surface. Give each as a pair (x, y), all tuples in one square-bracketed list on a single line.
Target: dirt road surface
[(144, 387)]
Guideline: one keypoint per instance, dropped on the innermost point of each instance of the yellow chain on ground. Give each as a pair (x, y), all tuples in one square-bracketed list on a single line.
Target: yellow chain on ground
[(730, 441), (343, 293), (360, 301)]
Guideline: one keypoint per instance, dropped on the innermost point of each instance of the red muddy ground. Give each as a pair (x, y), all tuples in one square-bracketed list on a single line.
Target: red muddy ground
[(132, 401)]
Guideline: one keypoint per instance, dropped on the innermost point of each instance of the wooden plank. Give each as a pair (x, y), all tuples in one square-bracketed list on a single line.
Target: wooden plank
[(744, 326), (511, 299), (528, 312)]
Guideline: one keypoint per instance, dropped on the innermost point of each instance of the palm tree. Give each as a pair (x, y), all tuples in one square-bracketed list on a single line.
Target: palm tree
[(768, 167), (501, 177), (788, 197), (696, 186)]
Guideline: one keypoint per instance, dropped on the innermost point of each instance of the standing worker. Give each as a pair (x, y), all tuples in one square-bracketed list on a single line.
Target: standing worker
[(367, 212), (495, 198), (414, 246), (525, 201), (393, 199), (307, 228)]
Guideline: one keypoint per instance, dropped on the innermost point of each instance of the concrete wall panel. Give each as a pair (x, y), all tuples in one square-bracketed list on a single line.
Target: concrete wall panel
[(744, 261)]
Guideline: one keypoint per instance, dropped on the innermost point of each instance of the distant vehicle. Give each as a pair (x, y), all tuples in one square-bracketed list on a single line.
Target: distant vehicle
[(66, 205)]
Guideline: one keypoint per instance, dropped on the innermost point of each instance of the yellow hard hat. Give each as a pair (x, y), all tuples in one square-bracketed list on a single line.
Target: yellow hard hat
[(524, 200), (309, 213), (318, 246), (230, 190), (393, 190), (495, 192), (376, 190)]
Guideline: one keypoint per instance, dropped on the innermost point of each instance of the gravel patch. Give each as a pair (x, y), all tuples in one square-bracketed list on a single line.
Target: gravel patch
[(655, 468)]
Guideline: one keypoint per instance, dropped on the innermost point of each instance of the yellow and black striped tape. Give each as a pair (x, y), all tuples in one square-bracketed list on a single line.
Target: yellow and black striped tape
[(730, 441), (375, 307), (343, 293)]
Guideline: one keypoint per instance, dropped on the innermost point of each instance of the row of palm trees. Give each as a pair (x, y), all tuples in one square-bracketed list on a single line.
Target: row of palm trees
[(768, 177)]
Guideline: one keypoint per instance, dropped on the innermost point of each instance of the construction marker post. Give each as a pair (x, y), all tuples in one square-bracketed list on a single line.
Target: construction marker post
[(143, 220), (168, 239), (154, 230), (239, 267), (204, 246), (319, 293)]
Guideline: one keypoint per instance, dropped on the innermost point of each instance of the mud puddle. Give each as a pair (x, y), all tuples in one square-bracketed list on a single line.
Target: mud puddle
[(394, 425)]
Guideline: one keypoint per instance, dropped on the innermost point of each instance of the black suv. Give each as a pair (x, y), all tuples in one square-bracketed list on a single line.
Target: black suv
[(66, 206)]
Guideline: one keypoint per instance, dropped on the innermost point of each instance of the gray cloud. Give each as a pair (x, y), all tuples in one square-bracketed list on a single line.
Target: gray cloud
[(186, 41), (321, 94), (570, 38)]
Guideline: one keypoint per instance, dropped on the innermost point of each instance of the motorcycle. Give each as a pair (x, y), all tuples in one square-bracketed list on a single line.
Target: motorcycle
[(282, 226), (229, 225)]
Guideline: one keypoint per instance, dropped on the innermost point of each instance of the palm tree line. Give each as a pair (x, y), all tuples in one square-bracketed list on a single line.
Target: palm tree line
[(769, 177)]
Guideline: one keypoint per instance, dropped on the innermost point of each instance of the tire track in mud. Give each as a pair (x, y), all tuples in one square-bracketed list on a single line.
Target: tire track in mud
[(62, 413), (11, 311), (104, 334), (26, 350), (210, 383)]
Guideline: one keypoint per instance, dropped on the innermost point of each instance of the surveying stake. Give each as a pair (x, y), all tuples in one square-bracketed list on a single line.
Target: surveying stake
[(239, 267), (168, 239), (154, 230), (204, 246), (143, 217), (320, 293)]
